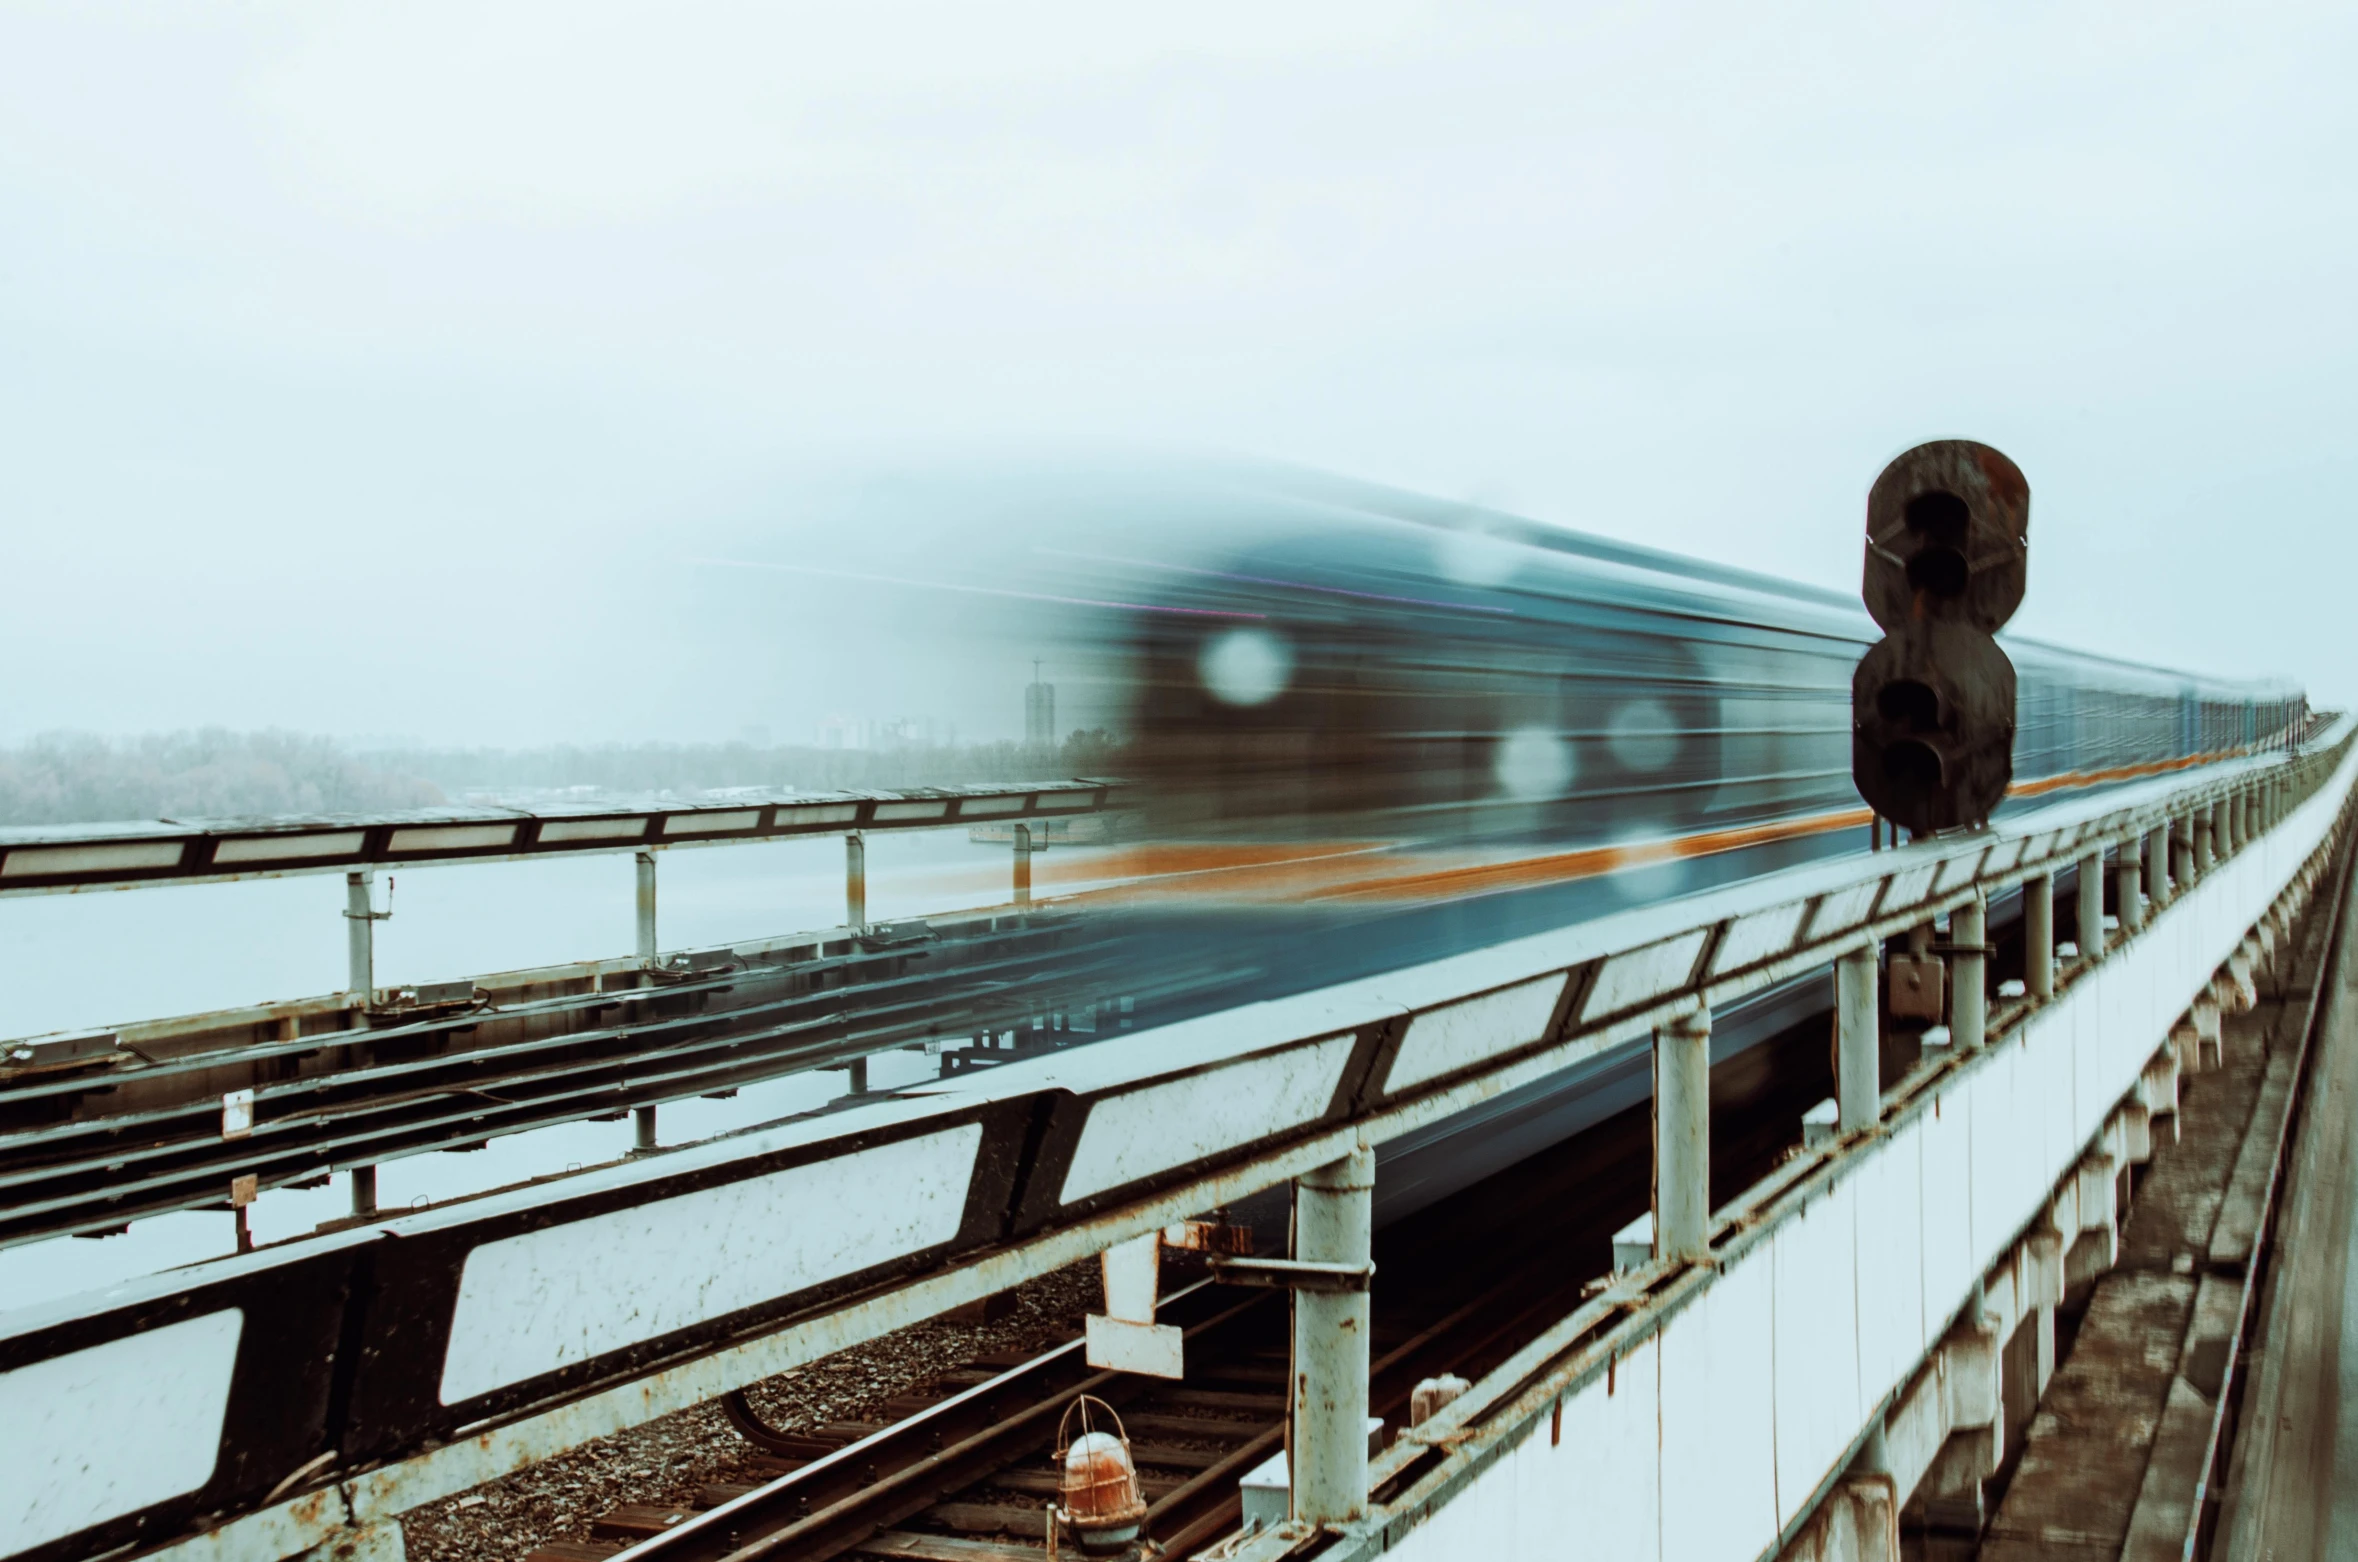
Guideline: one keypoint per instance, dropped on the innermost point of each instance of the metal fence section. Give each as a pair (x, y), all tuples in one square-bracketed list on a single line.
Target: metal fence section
[(55, 858), (389, 1361)]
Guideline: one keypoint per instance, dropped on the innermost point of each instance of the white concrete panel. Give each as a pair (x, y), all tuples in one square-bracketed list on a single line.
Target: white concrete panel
[(556, 830), (1908, 888), (733, 819), (1845, 908), (1183, 1120), (1893, 1331), (1641, 975), (281, 848), (1584, 1484), (1957, 871), (2081, 1029), (897, 812), (100, 1433), (1609, 1466), (1994, 1122), (2053, 1085), (1442, 1041), (1818, 1409), (541, 1300), (824, 813), (1755, 938), (1718, 1419), (455, 837), (98, 857), (1949, 1258)]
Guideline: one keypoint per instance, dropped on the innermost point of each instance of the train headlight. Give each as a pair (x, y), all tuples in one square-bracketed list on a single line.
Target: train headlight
[(1245, 666), (1534, 763), (1642, 736)]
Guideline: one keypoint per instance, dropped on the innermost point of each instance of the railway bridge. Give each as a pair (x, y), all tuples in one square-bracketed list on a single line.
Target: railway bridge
[(1862, 1131)]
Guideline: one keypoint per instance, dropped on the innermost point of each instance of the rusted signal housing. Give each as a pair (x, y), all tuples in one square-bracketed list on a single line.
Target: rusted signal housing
[(1932, 703)]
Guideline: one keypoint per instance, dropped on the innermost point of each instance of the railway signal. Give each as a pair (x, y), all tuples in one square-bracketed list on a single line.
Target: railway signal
[(1932, 702)]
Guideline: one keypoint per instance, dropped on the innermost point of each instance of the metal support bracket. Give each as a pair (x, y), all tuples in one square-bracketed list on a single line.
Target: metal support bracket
[(1291, 1274)]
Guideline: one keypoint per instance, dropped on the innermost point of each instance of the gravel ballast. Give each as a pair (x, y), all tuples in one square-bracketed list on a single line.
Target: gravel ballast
[(665, 1462)]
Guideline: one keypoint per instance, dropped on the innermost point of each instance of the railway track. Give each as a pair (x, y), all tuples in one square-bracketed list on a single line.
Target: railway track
[(962, 1469)]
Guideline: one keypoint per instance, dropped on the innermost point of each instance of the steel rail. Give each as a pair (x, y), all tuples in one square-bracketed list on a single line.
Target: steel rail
[(622, 1069)]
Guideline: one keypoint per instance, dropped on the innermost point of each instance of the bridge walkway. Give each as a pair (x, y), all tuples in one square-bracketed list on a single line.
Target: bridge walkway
[(2293, 1489), (2113, 1453)]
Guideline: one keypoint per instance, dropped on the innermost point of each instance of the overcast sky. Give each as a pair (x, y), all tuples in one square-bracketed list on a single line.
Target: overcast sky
[(353, 358)]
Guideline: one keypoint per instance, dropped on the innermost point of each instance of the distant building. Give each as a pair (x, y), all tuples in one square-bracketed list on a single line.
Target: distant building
[(1039, 712)]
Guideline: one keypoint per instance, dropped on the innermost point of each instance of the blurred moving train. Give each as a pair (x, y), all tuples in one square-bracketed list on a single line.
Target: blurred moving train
[(1370, 729), (1495, 703), (1416, 682)]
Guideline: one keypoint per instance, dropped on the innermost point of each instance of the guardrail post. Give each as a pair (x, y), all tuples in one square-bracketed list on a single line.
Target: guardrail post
[(2091, 906), (646, 908), (1023, 864), (2157, 865), (1969, 988), (2205, 844), (2127, 877), (643, 1120), (1682, 1137), (1334, 1223), (855, 880), (360, 935), (2038, 935), (2222, 830), (1858, 1041), (2181, 855)]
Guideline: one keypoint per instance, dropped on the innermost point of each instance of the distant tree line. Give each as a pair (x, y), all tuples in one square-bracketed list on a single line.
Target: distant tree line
[(76, 778), (682, 768)]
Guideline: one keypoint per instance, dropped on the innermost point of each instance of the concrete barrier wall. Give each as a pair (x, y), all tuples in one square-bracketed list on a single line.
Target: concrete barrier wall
[(1710, 1436)]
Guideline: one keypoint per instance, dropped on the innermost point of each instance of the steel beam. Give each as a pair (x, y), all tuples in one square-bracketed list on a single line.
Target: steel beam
[(855, 880), (1334, 1224), (1969, 971), (1858, 1040), (2091, 907), (2038, 933), (360, 936), (646, 946), (1682, 1136)]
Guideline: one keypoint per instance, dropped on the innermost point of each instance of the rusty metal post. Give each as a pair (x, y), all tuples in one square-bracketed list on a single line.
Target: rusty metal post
[(1334, 1223), (1682, 1137), (2038, 936), (1858, 1040), (1023, 864), (646, 908), (855, 880), (360, 935), (2091, 908), (364, 1190), (643, 1119), (2128, 882), (1969, 968)]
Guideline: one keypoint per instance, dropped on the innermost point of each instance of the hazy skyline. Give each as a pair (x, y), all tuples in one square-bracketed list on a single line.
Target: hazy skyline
[(367, 367)]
